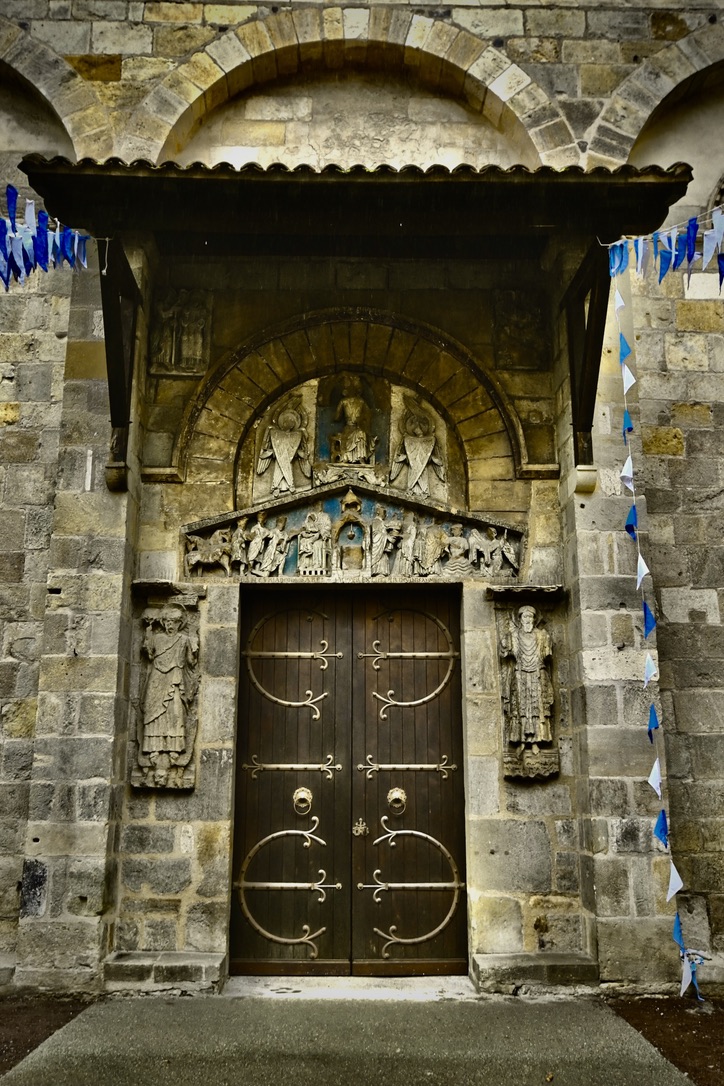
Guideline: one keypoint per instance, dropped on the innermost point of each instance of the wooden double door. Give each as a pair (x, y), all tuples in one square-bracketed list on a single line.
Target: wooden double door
[(349, 820)]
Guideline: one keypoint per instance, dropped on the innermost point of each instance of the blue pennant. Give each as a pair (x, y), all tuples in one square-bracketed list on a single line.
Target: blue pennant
[(653, 722), (632, 521), (12, 198), (5, 271), (649, 620), (678, 935), (623, 348), (66, 246), (40, 241), (82, 242), (618, 258), (627, 427), (692, 229), (665, 263), (720, 262), (661, 829), (27, 261), (655, 239), (680, 251), (3, 238)]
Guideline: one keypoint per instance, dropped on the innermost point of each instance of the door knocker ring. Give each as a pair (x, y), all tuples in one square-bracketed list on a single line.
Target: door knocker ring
[(397, 800), (302, 800)]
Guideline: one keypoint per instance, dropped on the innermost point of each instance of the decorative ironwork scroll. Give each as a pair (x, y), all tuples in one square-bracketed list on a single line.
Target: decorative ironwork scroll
[(379, 886), (379, 655), (319, 886), (323, 656), (440, 767), (327, 767)]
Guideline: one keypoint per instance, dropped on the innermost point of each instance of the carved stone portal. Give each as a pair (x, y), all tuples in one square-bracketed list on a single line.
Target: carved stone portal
[(167, 717), (527, 691)]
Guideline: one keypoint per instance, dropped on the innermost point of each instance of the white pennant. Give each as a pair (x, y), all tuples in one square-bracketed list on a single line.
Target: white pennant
[(676, 882), (627, 474), (618, 302), (717, 221), (650, 671), (685, 975), (628, 378), (709, 247), (641, 570), (655, 778), (30, 216)]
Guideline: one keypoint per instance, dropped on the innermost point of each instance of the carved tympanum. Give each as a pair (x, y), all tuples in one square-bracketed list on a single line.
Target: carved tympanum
[(167, 720), (527, 691)]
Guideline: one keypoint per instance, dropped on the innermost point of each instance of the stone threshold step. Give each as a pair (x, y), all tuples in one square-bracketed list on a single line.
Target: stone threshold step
[(141, 971), (507, 972)]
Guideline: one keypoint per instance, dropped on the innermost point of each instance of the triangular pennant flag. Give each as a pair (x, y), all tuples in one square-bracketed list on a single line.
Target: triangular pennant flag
[(649, 620), (3, 237), (627, 426), (680, 251), (618, 302), (66, 245), (12, 197), (655, 778), (632, 521), (30, 215), (626, 474), (653, 722), (5, 271), (40, 241), (655, 240), (692, 229), (661, 830), (677, 935), (664, 263), (628, 379), (717, 221), (82, 242), (686, 976), (617, 258), (720, 262), (709, 248), (623, 348), (676, 882), (650, 671), (641, 570)]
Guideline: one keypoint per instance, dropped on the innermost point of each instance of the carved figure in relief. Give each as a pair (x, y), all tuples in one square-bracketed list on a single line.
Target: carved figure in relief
[(405, 560), (429, 548), (491, 550), (526, 653), (354, 444), (179, 336), (457, 547), (214, 551), (239, 544), (314, 543), (419, 449), (171, 685), (275, 550), (383, 536), (284, 442), (258, 534)]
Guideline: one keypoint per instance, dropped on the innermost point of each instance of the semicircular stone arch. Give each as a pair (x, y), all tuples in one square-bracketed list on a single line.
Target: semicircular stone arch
[(443, 56), (70, 97), (641, 93), (235, 396)]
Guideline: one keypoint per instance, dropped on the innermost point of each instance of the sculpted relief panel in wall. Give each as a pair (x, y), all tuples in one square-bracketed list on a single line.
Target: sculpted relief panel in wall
[(526, 655), (166, 720)]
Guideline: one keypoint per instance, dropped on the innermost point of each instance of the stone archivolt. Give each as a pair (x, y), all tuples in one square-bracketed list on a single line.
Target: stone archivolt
[(351, 535)]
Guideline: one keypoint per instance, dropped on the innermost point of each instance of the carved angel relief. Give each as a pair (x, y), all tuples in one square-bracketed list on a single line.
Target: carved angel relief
[(527, 691), (419, 450), (166, 723), (285, 442)]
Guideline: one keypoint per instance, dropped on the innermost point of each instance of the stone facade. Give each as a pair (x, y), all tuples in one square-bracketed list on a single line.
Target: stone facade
[(105, 881)]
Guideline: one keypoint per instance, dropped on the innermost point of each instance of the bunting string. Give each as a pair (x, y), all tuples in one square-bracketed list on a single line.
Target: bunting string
[(35, 243), (622, 257), (684, 244)]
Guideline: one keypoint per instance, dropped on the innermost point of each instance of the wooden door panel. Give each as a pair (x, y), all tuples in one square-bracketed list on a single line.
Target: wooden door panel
[(387, 711)]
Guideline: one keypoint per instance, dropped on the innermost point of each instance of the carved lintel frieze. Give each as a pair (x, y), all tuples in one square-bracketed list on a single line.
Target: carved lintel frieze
[(351, 534), (166, 721), (530, 749)]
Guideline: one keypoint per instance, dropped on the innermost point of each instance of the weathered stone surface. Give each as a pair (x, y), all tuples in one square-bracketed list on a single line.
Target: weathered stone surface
[(511, 856)]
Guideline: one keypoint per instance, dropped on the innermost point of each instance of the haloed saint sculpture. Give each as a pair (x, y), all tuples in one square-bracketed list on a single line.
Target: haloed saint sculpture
[(167, 711), (418, 450), (527, 690), (285, 441)]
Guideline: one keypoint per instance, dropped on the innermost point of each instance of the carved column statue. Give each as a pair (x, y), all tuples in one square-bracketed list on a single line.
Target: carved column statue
[(527, 692), (167, 720)]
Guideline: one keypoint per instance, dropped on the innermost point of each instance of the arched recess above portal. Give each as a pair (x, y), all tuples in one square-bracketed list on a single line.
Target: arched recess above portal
[(440, 56), (235, 398), (69, 106)]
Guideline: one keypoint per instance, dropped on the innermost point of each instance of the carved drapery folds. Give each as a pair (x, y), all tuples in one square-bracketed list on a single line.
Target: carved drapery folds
[(526, 654), (166, 721), (350, 535)]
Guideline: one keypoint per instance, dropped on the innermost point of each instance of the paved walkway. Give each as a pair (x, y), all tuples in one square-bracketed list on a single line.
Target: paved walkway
[(325, 1033)]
